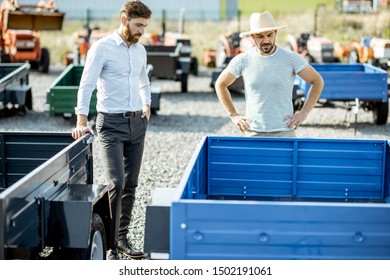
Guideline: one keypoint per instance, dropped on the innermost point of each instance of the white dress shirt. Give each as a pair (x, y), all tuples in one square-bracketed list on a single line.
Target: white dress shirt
[(119, 74)]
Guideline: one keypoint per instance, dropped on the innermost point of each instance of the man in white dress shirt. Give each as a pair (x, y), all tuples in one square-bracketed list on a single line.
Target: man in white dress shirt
[(116, 66)]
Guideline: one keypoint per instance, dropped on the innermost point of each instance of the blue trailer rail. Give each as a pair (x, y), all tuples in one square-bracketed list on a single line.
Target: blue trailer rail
[(281, 198), (350, 81)]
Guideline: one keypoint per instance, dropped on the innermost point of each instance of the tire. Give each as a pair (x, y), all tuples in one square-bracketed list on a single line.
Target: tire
[(28, 103), (34, 65), (97, 248), (381, 113), (194, 66), (45, 60), (184, 82)]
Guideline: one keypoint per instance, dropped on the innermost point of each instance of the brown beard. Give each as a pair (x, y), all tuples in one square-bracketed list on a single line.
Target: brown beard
[(261, 49), (130, 36)]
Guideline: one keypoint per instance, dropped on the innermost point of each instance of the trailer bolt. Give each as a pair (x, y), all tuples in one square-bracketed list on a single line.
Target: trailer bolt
[(198, 236), (359, 237), (183, 226), (263, 237), (13, 223)]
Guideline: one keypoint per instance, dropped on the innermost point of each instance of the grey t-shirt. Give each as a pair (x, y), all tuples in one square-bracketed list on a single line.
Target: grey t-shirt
[(268, 81)]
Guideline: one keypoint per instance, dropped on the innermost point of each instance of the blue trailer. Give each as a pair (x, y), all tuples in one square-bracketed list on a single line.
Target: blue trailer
[(280, 198), (358, 84)]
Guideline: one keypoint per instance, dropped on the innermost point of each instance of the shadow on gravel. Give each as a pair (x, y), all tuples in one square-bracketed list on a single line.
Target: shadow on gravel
[(187, 123)]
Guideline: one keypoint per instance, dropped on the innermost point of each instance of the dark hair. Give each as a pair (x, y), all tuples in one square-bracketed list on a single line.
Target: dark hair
[(136, 9)]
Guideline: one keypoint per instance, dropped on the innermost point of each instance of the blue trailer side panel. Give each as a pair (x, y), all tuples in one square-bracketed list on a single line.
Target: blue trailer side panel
[(283, 198), (279, 230), (300, 167), (345, 82)]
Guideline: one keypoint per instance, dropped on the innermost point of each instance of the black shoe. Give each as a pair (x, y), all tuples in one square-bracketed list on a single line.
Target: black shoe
[(113, 255), (125, 248)]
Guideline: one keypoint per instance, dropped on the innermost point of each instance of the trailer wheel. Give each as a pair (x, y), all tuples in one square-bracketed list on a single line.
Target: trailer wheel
[(28, 102), (184, 82), (45, 60), (97, 243), (381, 113)]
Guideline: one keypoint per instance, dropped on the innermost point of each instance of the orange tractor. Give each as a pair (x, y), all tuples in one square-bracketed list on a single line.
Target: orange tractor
[(82, 43), (20, 37), (312, 47), (372, 50), (229, 45)]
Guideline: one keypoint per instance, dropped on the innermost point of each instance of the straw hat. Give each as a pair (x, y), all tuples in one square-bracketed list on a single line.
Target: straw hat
[(261, 22)]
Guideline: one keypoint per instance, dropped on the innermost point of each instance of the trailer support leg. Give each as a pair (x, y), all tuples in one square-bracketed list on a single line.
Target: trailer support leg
[(356, 110)]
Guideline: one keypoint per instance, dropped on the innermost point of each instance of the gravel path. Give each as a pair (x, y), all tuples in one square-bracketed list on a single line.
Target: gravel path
[(182, 120)]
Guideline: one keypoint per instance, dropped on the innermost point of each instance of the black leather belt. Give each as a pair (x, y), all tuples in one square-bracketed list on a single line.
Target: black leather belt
[(123, 115)]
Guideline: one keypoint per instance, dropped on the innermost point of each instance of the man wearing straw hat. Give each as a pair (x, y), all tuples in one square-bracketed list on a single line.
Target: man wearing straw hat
[(269, 72)]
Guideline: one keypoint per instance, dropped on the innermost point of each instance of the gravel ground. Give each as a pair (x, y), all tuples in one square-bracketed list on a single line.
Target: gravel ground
[(182, 120)]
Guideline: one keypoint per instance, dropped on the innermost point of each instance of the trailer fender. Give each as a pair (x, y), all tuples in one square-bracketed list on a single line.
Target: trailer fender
[(72, 213)]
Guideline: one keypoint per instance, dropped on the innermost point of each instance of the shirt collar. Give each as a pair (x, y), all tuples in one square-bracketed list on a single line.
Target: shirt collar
[(117, 38)]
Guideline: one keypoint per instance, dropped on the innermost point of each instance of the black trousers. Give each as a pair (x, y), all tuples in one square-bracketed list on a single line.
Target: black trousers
[(121, 147)]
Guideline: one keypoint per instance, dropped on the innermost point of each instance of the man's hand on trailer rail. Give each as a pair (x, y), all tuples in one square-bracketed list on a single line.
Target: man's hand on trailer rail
[(81, 127)]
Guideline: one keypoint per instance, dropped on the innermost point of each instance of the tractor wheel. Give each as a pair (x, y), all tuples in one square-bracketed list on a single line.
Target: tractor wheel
[(45, 60), (381, 113), (184, 82), (353, 56), (97, 244), (194, 66)]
